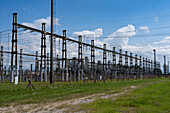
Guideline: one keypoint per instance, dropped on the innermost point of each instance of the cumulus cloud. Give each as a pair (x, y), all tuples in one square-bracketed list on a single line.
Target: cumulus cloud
[(120, 39), (162, 47), (144, 28), (31, 41), (121, 36), (38, 23), (86, 33), (166, 40)]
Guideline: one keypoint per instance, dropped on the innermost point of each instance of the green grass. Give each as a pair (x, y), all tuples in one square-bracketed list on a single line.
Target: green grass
[(18, 94), (148, 98)]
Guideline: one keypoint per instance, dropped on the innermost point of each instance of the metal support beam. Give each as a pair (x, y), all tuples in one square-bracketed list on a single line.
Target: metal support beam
[(31, 67), (69, 39), (165, 65), (64, 57), (154, 61), (48, 64), (14, 47), (149, 68), (80, 58), (114, 62), (43, 65), (143, 67), (136, 66), (51, 46), (104, 62), (120, 65), (1, 66), (146, 68), (140, 67), (36, 67), (131, 66), (168, 67), (93, 61), (126, 65), (21, 66)]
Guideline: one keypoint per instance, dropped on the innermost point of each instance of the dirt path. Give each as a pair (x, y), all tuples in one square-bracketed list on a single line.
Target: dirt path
[(61, 106)]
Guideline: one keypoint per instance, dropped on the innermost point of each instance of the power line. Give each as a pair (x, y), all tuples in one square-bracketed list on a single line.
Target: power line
[(18, 34), (157, 28), (9, 33), (122, 19), (144, 41), (150, 29), (123, 36), (117, 37), (119, 26), (5, 30), (164, 27), (126, 36)]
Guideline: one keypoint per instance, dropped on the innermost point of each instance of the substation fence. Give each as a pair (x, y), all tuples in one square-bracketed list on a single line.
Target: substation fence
[(75, 69)]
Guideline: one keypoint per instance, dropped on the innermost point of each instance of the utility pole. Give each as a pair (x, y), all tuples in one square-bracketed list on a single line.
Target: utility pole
[(104, 62), (14, 49), (165, 65), (80, 58), (140, 63), (120, 65), (131, 66), (114, 62), (54, 31), (31, 67), (20, 66), (43, 65), (1, 65), (126, 65), (36, 67), (51, 47), (168, 68), (154, 62), (93, 61), (64, 57)]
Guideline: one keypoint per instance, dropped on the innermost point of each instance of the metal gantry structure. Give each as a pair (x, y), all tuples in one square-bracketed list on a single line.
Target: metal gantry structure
[(121, 67)]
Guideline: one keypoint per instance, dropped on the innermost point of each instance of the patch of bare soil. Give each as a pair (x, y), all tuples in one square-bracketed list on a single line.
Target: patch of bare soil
[(61, 106)]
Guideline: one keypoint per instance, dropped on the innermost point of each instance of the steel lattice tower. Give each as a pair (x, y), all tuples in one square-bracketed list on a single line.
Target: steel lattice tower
[(104, 61), (43, 65), (92, 60)]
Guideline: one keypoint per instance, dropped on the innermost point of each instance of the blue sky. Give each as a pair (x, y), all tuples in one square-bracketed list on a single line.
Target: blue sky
[(110, 15), (75, 15), (102, 12)]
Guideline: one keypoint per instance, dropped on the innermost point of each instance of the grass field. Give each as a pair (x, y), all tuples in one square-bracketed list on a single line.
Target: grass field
[(150, 98), (151, 95)]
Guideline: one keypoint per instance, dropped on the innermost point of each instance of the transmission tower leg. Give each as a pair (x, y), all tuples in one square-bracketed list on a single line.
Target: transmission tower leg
[(14, 49), (1, 62)]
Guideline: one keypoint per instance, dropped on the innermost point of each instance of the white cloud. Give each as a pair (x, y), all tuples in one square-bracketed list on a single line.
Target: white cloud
[(120, 39), (89, 34), (121, 36), (162, 47), (166, 40), (30, 43), (38, 23), (144, 28)]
